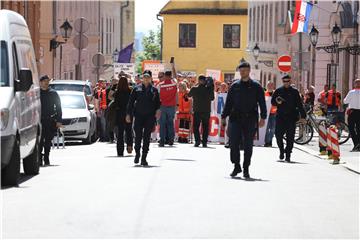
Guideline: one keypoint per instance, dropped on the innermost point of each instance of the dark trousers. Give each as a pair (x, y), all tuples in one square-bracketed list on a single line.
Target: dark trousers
[(203, 118), (143, 126), (122, 128), (47, 134), (354, 126), (285, 126), (242, 130)]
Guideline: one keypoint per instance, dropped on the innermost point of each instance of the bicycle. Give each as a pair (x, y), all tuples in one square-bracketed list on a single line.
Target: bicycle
[(305, 131)]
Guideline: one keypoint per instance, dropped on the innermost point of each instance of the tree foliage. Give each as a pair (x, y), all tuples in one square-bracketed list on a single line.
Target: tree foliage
[(151, 44)]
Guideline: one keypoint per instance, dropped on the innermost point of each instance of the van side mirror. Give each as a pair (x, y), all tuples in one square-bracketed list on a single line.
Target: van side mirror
[(25, 80)]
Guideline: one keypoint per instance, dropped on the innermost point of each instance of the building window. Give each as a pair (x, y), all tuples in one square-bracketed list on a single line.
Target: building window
[(231, 36), (187, 35)]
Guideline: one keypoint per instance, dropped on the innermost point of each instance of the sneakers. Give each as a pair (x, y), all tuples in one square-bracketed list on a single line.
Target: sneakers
[(137, 158), (236, 171)]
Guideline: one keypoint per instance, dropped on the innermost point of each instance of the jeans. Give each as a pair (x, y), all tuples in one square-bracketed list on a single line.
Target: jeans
[(270, 129), (167, 130)]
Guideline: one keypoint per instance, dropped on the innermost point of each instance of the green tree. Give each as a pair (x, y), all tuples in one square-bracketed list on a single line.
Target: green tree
[(151, 43)]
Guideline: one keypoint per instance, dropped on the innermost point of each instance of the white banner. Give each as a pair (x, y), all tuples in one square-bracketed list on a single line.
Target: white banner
[(155, 68), (127, 68), (215, 74)]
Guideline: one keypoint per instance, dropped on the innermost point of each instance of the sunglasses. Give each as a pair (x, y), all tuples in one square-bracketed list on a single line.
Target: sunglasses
[(286, 81)]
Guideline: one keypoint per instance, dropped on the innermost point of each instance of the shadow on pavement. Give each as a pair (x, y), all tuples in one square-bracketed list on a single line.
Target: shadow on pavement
[(291, 162), (150, 166), (180, 160), (127, 156), (248, 179), (23, 178)]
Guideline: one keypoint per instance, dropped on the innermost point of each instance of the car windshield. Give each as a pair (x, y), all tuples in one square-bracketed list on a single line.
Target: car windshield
[(4, 63), (71, 87), (72, 101)]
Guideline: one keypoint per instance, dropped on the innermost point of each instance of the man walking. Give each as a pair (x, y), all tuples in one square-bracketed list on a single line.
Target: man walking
[(51, 117), (243, 99), (144, 104), (353, 101), (289, 106), (168, 99), (202, 96)]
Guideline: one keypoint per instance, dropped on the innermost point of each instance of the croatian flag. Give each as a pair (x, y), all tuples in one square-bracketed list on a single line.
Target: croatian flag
[(301, 17)]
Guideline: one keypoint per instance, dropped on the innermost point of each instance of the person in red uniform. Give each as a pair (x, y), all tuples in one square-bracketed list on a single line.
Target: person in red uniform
[(183, 113), (168, 99), (101, 106)]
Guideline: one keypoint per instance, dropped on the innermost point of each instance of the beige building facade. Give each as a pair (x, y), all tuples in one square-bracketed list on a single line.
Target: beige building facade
[(270, 27)]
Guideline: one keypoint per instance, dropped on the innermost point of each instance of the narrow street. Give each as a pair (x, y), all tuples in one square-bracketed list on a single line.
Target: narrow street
[(186, 192)]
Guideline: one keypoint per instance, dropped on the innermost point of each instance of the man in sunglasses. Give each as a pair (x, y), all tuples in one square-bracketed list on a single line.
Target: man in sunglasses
[(289, 106)]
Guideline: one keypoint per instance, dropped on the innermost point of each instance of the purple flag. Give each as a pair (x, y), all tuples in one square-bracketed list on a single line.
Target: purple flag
[(125, 54)]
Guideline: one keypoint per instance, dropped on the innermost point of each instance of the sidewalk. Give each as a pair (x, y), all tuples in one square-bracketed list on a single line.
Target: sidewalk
[(349, 160)]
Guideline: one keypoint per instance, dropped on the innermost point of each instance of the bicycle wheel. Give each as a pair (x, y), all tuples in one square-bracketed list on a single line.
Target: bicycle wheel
[(343, 131), (303, 133)]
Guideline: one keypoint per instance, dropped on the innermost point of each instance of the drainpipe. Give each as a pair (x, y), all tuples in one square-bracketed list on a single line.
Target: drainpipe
[(121, 23), (356, 33), (161, 35)]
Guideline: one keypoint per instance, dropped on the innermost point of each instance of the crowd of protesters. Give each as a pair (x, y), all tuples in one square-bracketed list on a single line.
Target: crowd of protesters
[(187, 98)]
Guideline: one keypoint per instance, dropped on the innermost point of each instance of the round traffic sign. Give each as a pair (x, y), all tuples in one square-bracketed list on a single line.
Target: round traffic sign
[(81, 25), (81, 41), (284, 63), (98, 60)]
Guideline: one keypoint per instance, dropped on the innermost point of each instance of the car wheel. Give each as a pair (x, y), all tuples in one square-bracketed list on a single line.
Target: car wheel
[(94, 137), (10, 174), (88, 139), (31, 163)]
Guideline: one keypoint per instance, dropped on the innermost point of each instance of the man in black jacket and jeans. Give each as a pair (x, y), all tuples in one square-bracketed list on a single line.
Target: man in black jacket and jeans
[(202, 96)]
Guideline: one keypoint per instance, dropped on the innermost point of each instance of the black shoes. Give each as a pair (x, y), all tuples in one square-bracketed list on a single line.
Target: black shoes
[(144, 163), (196, 144), (204, 145), (137, 158), (236, 171), (171, 143), (268, 145), (161, 144), (227, 145), (287, 159), (246, 173), (281, 156)]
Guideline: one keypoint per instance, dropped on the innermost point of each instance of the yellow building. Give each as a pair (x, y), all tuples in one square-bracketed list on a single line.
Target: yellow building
[(205, 35)]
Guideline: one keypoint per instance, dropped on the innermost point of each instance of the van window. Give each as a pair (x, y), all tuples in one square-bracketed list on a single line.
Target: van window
[(15, 63), (27, 59), (4, 62)]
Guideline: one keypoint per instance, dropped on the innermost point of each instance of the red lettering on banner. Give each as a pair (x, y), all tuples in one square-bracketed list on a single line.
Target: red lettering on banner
[(213, 126)]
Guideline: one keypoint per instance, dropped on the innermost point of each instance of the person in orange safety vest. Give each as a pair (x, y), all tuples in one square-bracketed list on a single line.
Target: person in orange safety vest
[(333, 99), (184, 113), (270, 128)]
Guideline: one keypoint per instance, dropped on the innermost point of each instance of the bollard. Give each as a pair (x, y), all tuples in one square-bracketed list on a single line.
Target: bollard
[(335, 144), (329, 145), (322, 139)]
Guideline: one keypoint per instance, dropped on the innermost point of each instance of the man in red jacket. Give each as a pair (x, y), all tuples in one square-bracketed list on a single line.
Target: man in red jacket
[(168, 99)]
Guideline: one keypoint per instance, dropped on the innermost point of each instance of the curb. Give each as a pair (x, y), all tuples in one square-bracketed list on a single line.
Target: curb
[(316, 154)]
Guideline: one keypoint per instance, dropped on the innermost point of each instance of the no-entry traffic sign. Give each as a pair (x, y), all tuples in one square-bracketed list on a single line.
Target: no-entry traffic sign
[(284, 63)]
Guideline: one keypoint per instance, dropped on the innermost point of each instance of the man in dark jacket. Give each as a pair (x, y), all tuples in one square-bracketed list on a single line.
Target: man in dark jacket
[(202, 96), (144, 105), (289, 106), (242, 102), (51, 117)]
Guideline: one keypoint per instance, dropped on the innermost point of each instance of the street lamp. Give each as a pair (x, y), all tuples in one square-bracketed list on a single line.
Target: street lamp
[(314, 36), (65, 30), (116, 55), (336, 35), (256, 53)]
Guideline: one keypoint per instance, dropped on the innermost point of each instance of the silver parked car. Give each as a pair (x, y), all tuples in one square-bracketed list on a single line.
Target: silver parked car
[(79, 118)]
